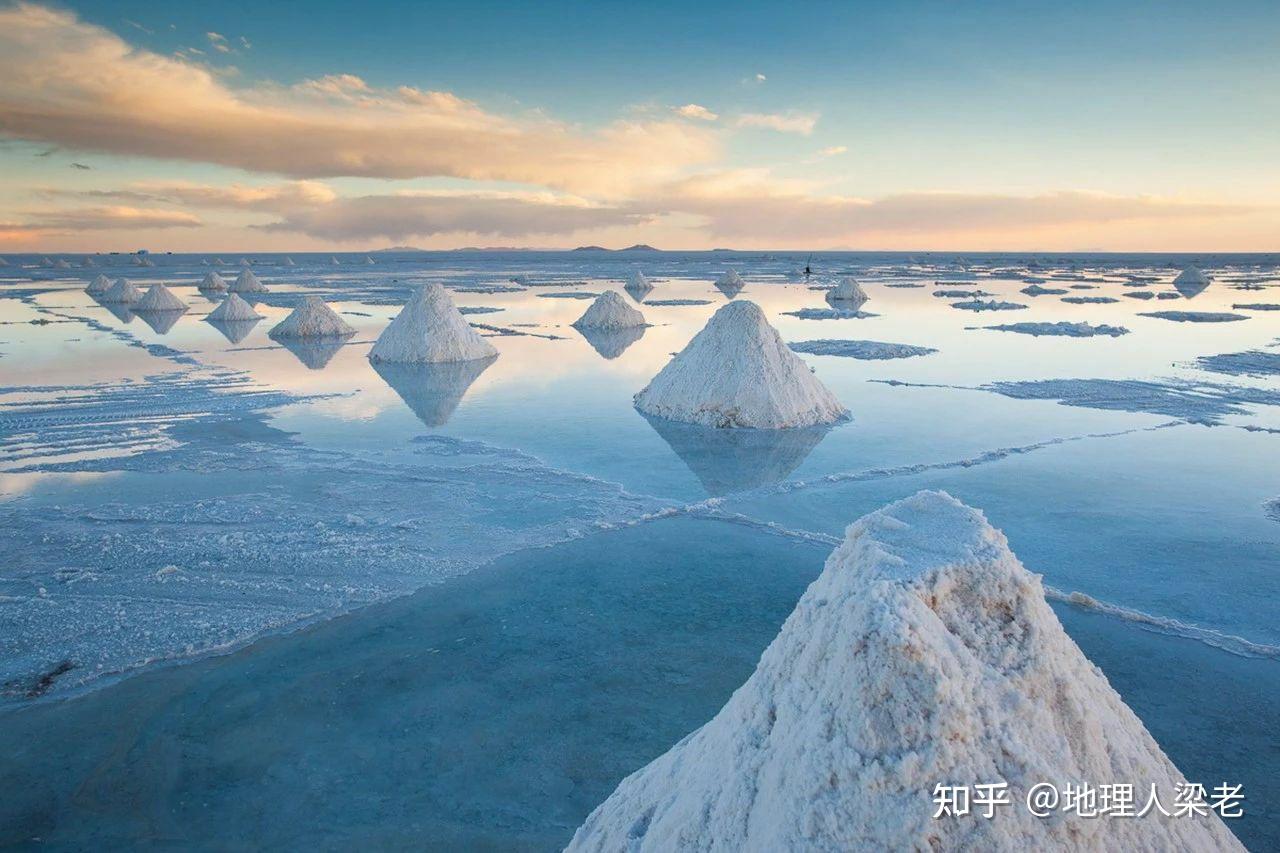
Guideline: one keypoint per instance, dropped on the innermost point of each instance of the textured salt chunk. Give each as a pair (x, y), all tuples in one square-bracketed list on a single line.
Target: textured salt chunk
[(737, 372), (865, 350), (1195, 316), (312, 319), (100, 284), (637, 285), (121, 293), (1063, 329), (233, 309), (213, 283), (610, 311), (430, 329), (924, 654), (160, 298), (848, 290), (247, 282)]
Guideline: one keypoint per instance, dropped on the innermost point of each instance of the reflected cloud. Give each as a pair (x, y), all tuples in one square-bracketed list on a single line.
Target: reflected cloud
[(611, 343), (736, 460), (432, 391)]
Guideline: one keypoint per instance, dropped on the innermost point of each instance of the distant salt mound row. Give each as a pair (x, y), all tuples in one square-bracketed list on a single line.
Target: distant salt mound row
[(100, 284), (233, 310), (312, 319), (848, 290), (1195, 316), (737, 372), (610, 311), (160, 298), (923, 654), (121, 293), (1064, 329), (247, 282), (865, 350), (213, 283), (429, 330)]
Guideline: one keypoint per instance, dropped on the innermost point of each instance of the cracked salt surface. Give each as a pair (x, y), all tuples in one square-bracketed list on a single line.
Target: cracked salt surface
[(866, 350)]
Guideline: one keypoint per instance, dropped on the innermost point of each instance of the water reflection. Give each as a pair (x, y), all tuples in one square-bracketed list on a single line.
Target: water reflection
[(611, 343), (432, 391), (234, 331), (735, 460), (120, 310), (314, 353), (160, 321), (1190, 289)]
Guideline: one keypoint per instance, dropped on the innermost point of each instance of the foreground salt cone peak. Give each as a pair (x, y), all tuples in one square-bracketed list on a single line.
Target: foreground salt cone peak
[(122, 293), (160, 298), (924, 654), (213, 283), (233, 309), (737, 372), (100, 284), (312, 318), (430, 329), (609, 311)]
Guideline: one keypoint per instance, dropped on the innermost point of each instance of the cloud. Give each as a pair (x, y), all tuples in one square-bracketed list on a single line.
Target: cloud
[(734, 204), (218, 42), (696, 111), (100, 219), (406, 215), (833, 151), (792, 122), (66, 82), (276, 198)]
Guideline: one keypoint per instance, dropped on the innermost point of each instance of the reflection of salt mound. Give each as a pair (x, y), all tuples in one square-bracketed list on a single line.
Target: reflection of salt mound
[(610, 311), (213, 283), (247, 282), (737, 372), (923, 654), (848, 290), (233, 309), (730, 284), (430, 329), (160, 298), (121, 293), (611, 343), (233, 330), (100, 284), (734, 460), (120, 310), (637, 285), (312, 319), (432, 391), (159, 321), (1191, 282), (314, 353)]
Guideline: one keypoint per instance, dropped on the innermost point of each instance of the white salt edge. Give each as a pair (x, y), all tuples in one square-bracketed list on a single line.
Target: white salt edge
[(122, 292), (430, 329), (609, 311), (737, 372), (848, 290), (213, 282), (100, 284), (924, 653), (312, 318), (160, 298)]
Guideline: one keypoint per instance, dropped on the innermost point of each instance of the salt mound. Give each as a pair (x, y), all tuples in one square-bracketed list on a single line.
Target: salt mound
[(160, 298), (730, 283), (924, 654), (737, 372), (233, 309), (62, 264), (848, 290), (244, 262), (1191, 275), (430, 329), (100, 284), (312, 319), (610, 311), (213, 282), (122, 293), (333, 261), (288, 262), (637, 285), (247, 282)]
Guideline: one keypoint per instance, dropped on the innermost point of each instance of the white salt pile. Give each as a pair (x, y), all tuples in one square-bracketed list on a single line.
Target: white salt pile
[(244, 262), (160, 298), (1061, 329), (848, 290), (924, 654), (333, 261), (100, 284), (62, 264), (233, 309), (247, 282), (288, 262), (312, 319), (730, 283), (213, 283), (637, 285), (430, 329), (1191, 276), (121, 293), (610, 311), (737, 372)]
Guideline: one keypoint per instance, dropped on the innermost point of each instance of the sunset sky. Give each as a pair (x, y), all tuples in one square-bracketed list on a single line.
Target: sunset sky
[(1126, 126)]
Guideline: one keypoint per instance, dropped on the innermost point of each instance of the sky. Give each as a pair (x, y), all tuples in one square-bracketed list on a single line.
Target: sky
[(914, 126)]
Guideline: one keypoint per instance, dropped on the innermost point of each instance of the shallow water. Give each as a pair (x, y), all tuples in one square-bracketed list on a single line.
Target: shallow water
[(549, 588)]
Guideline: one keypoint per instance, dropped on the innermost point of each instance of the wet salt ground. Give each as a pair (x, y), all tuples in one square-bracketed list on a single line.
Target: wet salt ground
[(1169, 521)]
